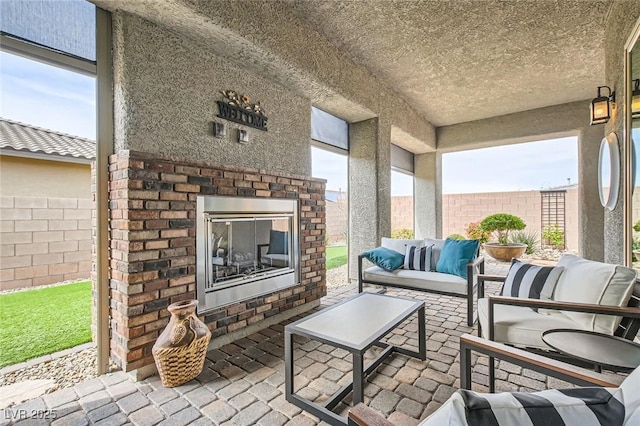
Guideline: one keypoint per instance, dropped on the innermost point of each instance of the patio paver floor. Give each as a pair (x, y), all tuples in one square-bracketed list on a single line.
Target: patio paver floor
[(243, 383)]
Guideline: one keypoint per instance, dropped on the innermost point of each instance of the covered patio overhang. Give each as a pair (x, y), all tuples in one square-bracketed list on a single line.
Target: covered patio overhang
[(172, 58)]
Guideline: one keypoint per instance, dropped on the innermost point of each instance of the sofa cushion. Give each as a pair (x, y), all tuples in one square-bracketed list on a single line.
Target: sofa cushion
[(420, 280), (531, 281), (455, 255), (417, 258), (385, 258), (278, 242), (399, 245), (435, 251), (588, 281), (521, 326)]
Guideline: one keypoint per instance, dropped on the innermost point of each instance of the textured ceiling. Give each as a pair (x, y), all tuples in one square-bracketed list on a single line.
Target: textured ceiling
[(458, 61)]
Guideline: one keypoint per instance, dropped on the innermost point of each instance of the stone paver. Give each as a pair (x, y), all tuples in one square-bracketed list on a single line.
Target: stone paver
[(243, 383)]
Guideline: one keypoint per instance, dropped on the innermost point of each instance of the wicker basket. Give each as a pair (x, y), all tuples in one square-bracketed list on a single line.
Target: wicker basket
[(181, 348), (180, 364)]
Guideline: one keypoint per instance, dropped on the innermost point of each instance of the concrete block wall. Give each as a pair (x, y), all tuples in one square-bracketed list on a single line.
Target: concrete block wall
[(337, 214), (458, 210), (44, 240), (402, 212)]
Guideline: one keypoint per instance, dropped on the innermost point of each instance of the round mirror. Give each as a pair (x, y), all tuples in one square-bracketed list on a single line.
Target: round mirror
[(609, 171)]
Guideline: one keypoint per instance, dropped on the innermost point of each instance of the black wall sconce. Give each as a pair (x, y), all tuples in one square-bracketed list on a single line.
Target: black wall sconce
[(243, 136), (601, 106), (219, 130), (635, 99)]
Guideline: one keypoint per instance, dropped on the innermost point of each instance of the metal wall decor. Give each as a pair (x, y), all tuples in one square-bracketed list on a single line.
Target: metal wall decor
[(240, 109)]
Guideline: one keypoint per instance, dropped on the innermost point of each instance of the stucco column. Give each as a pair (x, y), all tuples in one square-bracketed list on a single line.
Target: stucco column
[(428, 195), (369, 187), (591, 218)]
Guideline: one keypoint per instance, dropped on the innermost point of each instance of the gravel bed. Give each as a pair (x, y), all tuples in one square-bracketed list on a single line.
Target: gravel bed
[(66, 370)]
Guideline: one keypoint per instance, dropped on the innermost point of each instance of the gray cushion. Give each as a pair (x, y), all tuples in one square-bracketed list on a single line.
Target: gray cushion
[(435, 251), (399, 245), (420, 280), (521, 326)]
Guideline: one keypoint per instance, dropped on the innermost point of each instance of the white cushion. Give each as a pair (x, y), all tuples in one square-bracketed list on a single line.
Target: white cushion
[(399, 245), (421, 280), (631, 397), (521, 326), (588, 281)]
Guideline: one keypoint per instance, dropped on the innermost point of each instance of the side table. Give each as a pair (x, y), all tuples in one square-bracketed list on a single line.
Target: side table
[(602, 350)]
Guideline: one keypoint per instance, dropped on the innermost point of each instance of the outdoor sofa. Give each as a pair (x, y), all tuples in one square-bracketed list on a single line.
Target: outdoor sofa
[(427, 281)]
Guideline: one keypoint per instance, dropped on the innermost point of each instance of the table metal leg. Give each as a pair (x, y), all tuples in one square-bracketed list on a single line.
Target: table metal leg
[(288, 364), (422, 334), (358, 379)]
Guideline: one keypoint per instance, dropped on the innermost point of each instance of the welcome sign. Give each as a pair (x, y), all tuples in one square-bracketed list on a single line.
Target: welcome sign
[(239, 109)]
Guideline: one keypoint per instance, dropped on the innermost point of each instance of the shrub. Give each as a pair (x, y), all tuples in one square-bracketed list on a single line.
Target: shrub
[(402, 234), (456, 237), (501, 224), (475, 232), (528, 238), (636, 226), (553, 235)]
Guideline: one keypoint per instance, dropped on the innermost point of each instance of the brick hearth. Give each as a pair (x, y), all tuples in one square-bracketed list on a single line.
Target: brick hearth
[(153, 254)]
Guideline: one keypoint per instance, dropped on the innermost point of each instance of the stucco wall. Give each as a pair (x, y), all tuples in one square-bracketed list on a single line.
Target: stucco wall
[(41, 178), (620, 22), (166, 87)]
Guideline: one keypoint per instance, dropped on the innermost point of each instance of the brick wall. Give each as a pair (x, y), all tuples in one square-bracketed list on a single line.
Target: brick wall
[(153, 259), (44, 240)]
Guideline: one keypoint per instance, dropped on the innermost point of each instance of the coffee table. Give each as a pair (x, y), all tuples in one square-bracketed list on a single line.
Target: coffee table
[(355, 325), (602, 350)]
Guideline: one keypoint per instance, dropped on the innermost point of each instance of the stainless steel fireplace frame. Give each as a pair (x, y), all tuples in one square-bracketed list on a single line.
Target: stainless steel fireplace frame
[(240, 207)]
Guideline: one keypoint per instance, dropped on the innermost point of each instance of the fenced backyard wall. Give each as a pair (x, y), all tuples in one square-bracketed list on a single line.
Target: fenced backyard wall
[(458, 210), (44, 240)]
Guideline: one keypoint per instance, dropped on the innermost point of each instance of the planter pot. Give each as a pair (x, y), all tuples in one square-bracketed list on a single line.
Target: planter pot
[(504, 252), (181, 348)]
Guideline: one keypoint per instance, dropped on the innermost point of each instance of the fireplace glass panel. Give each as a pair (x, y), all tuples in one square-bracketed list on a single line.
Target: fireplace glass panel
[(239, 249)]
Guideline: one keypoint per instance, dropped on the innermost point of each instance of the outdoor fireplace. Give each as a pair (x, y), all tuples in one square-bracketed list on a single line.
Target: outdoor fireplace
[(246, 247)]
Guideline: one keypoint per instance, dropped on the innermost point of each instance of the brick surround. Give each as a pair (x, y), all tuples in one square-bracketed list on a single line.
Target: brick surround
[(152, 245)]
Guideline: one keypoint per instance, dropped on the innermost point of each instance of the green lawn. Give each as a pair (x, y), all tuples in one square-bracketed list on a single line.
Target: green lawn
[(336, 256), (43, 321)]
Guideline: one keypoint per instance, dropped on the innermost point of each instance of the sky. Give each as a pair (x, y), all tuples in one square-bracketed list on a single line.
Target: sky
[(61, 100), (519, 167), (47, 96)]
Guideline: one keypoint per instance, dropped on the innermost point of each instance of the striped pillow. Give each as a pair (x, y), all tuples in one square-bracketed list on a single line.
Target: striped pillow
[(417, 258), (581, 406), (530, 281)]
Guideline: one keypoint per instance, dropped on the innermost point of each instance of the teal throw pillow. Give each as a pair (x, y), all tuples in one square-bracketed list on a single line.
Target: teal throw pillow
[(455, 255), (387, 259)]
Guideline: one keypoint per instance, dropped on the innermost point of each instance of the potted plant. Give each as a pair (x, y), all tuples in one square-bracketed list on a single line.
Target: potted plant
[(500, 224)]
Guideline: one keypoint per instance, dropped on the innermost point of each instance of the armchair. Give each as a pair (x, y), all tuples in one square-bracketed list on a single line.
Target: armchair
[(616, 403), (521, 322)]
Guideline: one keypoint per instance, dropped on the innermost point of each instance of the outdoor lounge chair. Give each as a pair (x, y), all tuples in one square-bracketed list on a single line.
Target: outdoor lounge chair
[(608, 403), (522, 322)]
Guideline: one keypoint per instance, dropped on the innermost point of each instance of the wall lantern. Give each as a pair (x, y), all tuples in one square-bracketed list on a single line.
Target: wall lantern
[(635, 99), (601, 106)]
